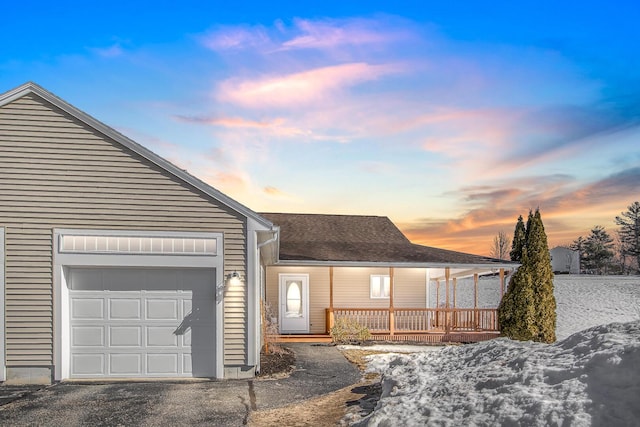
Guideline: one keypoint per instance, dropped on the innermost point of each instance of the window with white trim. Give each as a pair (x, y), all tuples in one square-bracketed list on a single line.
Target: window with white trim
[(380, 286), (137, 244)]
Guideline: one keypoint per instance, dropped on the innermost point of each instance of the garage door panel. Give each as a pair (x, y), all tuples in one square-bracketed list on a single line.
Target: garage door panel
[(186, 364), (124, 308), (121, 364), (186, 306), (162, 309), (87, 336), (91, 364), (159, 336), (87, 308), (142, 322), (125, 336), (162, 363)]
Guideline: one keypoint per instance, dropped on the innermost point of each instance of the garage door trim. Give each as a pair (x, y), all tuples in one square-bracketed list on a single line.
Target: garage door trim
[(63, 261)]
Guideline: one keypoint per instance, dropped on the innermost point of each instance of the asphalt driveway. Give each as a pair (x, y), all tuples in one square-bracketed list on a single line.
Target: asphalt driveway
[(320, 369)]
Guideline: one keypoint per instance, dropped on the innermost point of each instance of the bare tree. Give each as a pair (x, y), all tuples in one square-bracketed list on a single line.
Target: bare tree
[(500, 247), (620, 257)]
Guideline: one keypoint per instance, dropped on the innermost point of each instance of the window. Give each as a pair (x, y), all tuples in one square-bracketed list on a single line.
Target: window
[(134, 244), (380, 286), (294, 299)]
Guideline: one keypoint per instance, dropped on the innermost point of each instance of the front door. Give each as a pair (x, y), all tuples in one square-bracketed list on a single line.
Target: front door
[(294, 303)]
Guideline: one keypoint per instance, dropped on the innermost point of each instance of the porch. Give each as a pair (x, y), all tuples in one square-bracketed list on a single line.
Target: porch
[(444, 324), (426, 325)]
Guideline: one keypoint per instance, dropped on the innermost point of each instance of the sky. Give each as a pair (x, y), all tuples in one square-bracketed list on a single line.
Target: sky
[(450, 118)]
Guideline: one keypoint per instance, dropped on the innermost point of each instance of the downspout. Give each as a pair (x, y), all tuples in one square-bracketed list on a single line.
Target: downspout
[(261, 292), (276, 232)]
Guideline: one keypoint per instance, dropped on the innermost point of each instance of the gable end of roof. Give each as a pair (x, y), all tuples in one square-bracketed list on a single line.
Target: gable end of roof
[(33, 88)]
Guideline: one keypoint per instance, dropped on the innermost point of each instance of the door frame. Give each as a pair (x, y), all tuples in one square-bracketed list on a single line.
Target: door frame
[(304, 278)]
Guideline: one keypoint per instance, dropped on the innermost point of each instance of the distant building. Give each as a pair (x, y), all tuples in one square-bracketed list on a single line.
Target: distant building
[(565, 260)]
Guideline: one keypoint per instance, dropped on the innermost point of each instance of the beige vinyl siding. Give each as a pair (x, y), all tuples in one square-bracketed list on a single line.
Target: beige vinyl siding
[(318, 293), (351, 287), (57, 172), (410, 290)]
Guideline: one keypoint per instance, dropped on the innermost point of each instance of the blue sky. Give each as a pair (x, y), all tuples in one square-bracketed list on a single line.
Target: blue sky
[(451, 118)]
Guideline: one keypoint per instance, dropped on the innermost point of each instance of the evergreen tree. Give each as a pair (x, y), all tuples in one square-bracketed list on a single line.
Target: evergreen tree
[(517, 310), (528, 309), (629, 232), (528, 227), (519, 237), (598, 248)]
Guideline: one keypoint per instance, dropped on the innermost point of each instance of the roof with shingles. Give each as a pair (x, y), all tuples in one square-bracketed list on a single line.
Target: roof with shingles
[(357, 238)]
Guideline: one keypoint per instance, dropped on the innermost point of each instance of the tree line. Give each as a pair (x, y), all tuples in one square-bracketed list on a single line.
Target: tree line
[(600, 253)]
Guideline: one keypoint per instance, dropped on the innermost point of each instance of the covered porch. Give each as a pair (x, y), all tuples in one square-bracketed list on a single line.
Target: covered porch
[(441, 321)]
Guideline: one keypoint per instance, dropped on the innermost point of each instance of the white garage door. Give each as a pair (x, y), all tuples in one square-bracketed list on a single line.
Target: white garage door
[(136, 322)]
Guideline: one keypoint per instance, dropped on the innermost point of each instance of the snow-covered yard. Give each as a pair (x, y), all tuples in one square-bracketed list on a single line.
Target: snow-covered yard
[(589, 377)]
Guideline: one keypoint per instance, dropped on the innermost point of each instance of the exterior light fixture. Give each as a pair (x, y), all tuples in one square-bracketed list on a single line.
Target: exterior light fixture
[(234, 279), (231, 279)]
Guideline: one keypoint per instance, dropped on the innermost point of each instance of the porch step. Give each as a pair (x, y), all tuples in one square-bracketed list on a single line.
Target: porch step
[(319, 338)]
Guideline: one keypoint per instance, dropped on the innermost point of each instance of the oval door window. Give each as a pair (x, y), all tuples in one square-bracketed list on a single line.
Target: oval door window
[(294, 299)]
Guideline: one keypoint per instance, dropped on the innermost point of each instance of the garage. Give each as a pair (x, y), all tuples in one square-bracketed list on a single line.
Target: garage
[(141, 322)]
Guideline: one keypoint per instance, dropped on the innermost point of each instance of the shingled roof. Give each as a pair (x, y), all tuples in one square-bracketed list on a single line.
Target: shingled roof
[(357, 238)]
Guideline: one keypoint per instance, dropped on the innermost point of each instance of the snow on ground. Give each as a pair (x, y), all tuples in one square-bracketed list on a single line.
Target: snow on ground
[(584, 301), (590, 378), (392, 348)]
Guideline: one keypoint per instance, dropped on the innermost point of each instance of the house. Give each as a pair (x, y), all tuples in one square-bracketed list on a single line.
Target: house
[(363, 268), (565, 260), (113, 261)]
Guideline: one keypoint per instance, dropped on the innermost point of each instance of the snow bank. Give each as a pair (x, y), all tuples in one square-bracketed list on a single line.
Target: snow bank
[(590, 378)]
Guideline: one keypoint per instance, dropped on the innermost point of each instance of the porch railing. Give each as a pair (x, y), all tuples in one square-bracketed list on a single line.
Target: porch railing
[(417, 320)]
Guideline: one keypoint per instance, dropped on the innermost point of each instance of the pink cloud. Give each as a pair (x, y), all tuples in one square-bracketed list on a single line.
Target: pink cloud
[(276, 193), (324, 34), (319, 34), (228, 38), (568, 210), (303, 87), (277, 126)]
